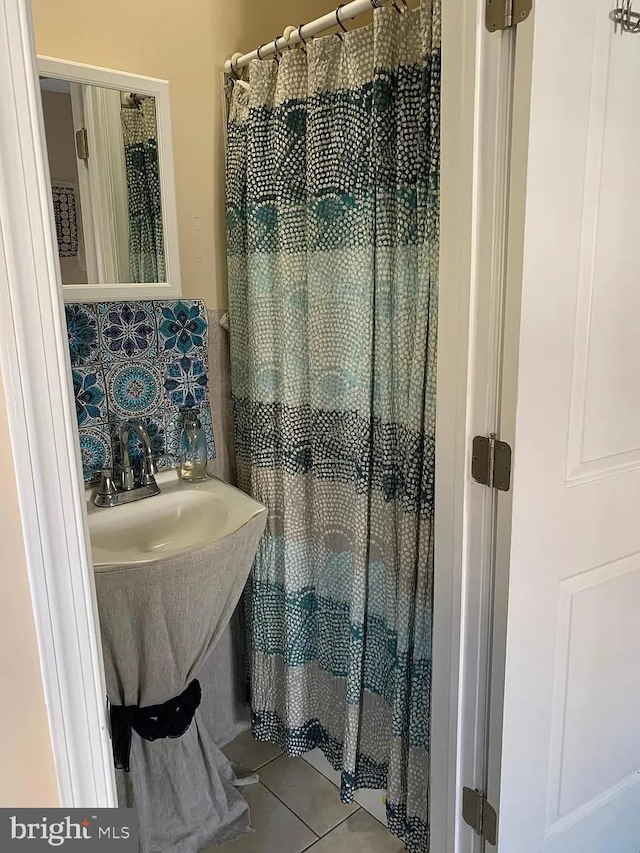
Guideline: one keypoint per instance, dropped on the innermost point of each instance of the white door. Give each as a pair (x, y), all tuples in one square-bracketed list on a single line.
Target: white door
[(570, 773)]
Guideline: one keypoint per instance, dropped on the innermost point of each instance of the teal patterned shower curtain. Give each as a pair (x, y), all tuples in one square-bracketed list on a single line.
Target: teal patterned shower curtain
[(332, 210), (146, 240)]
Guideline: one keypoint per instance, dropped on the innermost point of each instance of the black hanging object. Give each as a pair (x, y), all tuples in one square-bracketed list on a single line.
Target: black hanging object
[(170, 719)]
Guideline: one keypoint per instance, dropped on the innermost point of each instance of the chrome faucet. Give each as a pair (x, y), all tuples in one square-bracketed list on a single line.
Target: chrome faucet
[(148, 465), (129, 488)]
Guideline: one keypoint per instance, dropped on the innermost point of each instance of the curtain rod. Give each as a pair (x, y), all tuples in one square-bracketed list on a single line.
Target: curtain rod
[(298, 35)]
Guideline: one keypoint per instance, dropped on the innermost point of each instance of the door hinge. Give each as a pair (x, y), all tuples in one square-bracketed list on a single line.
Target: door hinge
[(478, 812), (491, 462), (82, 145), (502, 14)]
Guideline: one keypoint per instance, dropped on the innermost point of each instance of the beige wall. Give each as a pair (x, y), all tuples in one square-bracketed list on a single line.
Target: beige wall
[(187, 44), (27, 775)]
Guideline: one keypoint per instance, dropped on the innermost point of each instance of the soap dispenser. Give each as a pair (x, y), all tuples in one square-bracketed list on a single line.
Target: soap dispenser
[(193, 447)]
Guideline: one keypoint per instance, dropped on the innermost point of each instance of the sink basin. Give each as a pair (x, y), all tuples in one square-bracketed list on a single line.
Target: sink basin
[(184, 515)]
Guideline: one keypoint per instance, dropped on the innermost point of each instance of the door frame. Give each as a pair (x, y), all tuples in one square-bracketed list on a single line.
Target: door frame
[(44, 432), (471, 546), (523, 59), (36, 369)]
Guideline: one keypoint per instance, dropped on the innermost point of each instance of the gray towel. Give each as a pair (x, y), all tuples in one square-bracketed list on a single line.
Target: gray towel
[(160, 622)]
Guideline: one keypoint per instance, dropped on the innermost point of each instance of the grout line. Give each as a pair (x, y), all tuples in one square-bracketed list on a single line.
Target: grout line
[(255, 769), (301, 819), (337, 787), (317, 837), (340, 822), (313, 843), (324, 776), (327, 779), (371, 814)]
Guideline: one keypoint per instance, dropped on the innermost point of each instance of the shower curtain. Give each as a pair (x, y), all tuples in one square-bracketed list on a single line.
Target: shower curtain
[(332, 210), (146, 241)]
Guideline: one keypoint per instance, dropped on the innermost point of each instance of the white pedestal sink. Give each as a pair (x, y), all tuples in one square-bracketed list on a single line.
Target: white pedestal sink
[(169, 571), (184, 515)]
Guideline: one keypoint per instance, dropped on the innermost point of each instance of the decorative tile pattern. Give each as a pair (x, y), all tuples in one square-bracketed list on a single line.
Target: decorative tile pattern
[(82, 333), (135, 389), (128, 330), (174, 427), (140, 360), (182, 326), (95, 449), (185, 381), (88, 389)]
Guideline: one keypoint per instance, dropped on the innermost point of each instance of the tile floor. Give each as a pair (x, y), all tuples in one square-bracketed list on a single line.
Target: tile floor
[(295, 808)]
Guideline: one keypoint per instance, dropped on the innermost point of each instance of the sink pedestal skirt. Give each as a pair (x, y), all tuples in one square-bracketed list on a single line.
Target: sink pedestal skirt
[(160, 621)]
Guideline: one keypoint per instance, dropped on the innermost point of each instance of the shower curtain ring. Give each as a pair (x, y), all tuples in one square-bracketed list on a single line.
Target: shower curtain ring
[(259, 49), (231, 66), (286, 36), (277, 51), (300, 36), (338, 21)]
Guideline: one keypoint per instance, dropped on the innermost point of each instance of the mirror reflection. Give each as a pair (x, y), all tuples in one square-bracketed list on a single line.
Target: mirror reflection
[(102, 147)]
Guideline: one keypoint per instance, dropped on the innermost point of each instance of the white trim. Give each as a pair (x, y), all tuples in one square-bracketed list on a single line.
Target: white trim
[(86, 205), (519, 139), (107, 179), (44, 433), (77, 72), (477, 74)]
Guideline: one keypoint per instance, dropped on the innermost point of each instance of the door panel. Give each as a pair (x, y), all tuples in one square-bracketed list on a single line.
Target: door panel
[(605, 422), (596, 691), (570, 774)]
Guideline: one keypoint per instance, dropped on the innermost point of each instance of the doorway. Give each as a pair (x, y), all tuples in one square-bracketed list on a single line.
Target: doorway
[(52, 507)]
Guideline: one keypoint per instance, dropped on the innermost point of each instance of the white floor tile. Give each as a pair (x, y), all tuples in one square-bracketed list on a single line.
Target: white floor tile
[(277, 830), (371, 800), (360, 833), (249, 754), (316, 758), (306, 792)]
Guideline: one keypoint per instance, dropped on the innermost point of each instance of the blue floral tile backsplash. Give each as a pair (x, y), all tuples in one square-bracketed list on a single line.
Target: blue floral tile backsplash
[(142, 360)]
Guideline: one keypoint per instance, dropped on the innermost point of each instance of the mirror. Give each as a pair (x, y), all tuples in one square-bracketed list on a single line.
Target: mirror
[(109, 154)]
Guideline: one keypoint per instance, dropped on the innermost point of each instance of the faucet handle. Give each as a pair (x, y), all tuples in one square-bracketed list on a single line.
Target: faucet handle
[(107, 486), (127, 477), (148, 469)]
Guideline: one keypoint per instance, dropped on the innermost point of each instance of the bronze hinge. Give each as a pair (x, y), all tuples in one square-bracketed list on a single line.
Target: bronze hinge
[(502, 14)]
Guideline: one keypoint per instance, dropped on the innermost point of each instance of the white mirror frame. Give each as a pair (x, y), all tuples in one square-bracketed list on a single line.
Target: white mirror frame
[(76, 72)]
